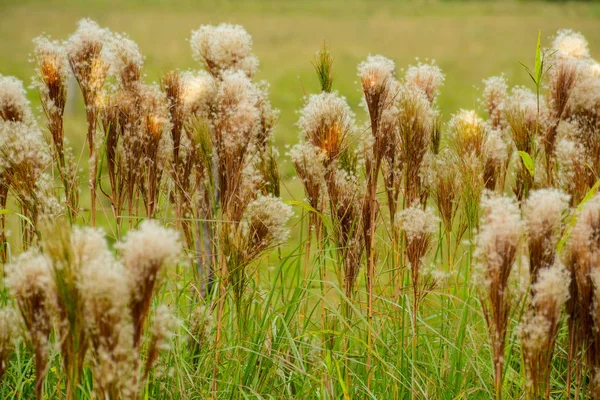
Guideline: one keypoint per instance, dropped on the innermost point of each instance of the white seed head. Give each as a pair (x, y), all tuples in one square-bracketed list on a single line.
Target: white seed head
[(310, 159), (417, 222), (427, 78), (238, 115), (376, 72), (224, 47), (150, 244), (199, 88), (544, 209), (14, 106), (22, 148), (271, 214), (164, 327), (570, 44), (88, 34), (498, 238), (124, 58), (325, 111)]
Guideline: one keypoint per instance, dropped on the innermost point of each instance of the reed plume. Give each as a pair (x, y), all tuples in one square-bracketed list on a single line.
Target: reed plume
[(9, 324), (539, 327), (419, 227), (522, 114), (543, 212), (224, 47), (23, 159), (70, 250), (346, 194), (105, 291), (84, 50), (30, 282), (377, 79), (444, 184), (581, 258), (468, 134), (52, 77), (145, 252), (496, 250)]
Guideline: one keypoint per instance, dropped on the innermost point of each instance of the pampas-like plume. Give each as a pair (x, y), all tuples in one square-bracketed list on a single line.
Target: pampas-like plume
[(416, 122), (427, 78), (262, 227), (543, 212), (224, 47), (309, 162), (9, 324), (327, 122), (572, 169), (70, 250), (444, 184), (125, 61), (377, 79), (52, 79), (145, 252), (582, 255), (237, 119), (155, 143), (346, 195), (495, 94), (468, 133), (539, 327), (105, 292), (497, 244), (30, 281), (419, 227), (84, 50), (521, 113), (22, 156), (562, 80)]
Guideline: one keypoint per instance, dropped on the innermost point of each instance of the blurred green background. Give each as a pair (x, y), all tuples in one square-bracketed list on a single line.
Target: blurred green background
[(469, 40)]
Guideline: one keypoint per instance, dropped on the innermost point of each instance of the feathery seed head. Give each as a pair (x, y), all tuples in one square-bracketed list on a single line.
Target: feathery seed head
[(427, 78), (198, 91), (552, 287), (544, 210), (375, 73), (495, 94), (148, 246), (238, 114), (570, 44), (266, 219), (497, 240), (14, 106), (417, 222), (309, 162), (30, 275), (327, 121), (124, 59), (9, 327), (224, 47), (468, 131), (164, 327), (53, 74)]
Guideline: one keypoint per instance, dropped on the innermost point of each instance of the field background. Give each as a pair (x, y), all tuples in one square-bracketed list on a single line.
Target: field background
[(469, 40)]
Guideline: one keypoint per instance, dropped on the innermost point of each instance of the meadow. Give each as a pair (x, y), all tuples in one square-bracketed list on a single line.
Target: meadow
[(299, 200)]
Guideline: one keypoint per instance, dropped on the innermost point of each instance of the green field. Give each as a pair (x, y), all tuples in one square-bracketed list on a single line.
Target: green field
[(300, 335)]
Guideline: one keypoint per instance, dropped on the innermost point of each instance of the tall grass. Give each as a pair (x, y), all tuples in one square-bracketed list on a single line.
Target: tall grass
[(429, 260)]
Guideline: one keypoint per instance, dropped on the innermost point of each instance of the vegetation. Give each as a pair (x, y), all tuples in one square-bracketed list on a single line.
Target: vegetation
[(428, 256)]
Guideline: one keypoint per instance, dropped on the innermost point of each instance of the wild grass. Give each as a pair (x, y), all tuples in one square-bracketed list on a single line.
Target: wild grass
[(426, 259)]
